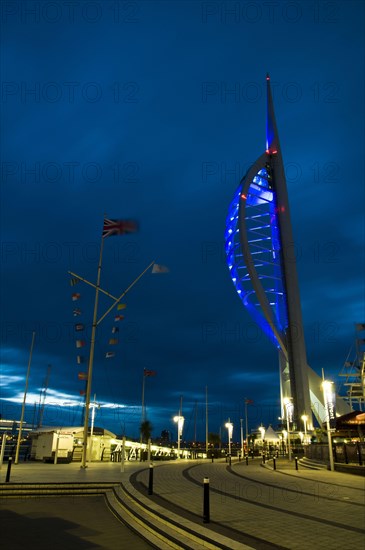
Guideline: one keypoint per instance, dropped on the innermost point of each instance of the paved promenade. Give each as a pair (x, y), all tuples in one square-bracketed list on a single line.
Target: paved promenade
[(252, 505)]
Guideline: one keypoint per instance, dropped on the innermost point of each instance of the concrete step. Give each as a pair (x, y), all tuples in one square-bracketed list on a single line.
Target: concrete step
[(160, 527), (312, 464), (168, 527), (23, 490)]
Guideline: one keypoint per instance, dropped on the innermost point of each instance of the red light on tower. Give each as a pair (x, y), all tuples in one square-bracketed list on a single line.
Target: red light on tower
[(243, 196)]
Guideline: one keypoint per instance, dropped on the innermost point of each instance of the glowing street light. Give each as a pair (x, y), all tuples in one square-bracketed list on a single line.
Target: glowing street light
[(229, 427), (180, 424), (289, 415), (329, 404), (304, 417)]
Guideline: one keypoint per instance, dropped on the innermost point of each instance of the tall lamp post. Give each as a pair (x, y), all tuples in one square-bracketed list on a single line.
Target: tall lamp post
[(329, 398), (93, 406), (180, 424), (305, 420), (229, 427), (285, 436), (242, 453), (289, 414), (262, 432)]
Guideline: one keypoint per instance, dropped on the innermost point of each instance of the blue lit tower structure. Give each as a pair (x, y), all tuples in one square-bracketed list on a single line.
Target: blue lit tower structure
[(260, 255)]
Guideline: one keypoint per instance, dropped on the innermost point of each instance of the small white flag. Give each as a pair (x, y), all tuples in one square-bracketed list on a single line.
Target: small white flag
[(157, 268)]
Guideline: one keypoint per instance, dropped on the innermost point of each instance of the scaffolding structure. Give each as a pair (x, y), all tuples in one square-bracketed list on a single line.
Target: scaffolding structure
[(353, 371)]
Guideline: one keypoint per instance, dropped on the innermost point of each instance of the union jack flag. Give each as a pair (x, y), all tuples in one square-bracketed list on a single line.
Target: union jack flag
[(119, 227), (147, 372)]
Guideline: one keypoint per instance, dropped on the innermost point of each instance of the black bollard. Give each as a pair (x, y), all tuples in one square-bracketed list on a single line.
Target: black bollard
[(296, 462), (247, 460), (230, 460), (150, 481), (274, 462), (263, 458), (212, 458), (10, 460), (206, 514), (358, 452)]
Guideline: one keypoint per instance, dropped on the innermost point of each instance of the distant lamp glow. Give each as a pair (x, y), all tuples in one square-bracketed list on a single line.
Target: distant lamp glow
[(180, 425), (229, 427)]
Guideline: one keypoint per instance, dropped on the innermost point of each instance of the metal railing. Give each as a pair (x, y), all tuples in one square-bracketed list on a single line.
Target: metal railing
[(345, 453)]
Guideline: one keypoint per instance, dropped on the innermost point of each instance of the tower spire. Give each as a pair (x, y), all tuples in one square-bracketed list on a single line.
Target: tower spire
[(272, 136)]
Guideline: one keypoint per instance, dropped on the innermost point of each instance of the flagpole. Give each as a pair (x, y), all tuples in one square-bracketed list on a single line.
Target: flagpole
[(195, 415), (24, 399), (246, 422), (206, 421), (143, 409), (242, 453), (91, 358)]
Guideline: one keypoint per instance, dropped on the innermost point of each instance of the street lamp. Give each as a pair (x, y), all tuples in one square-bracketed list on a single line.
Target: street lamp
[(229, 427), (285, 436), (304, 417), (180, 424), (242, 453), (93, 406), (329, 404), (262, 431), (289, 415)]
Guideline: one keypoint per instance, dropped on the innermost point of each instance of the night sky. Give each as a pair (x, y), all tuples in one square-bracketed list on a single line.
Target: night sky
[(153, 111)]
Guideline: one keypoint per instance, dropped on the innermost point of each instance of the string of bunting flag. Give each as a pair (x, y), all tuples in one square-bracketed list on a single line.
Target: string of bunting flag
[(114, 340), (79, 332)]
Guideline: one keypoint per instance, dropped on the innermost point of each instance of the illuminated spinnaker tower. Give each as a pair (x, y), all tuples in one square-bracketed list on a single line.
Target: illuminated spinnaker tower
[(259, 247)]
